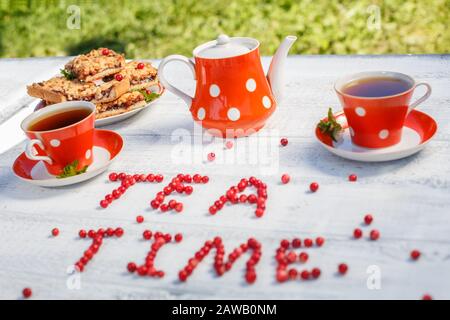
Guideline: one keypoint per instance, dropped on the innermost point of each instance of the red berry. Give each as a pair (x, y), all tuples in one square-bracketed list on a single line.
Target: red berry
[(368, 219), (282, 276), (303, 257), (250, 277), (140, 65), (179, 207), (229, 144), (259, 213), (314, 187), (357, 233), (178, 237), (164, 207), (285, 178), (415, 254), (118, 232), (308, 242), (105, 52), (55, 232), (352, 177), (213, 210), (118, 77), (131, 267), (211, 156), (342, 268), (147, 234), (104, 204), (113, 176), (296, 243), (284, 243), (315, 273), (305, 274), (116, 194), (109, 198), (320, 241), (374, 234), (159, 178), (284, 142), (205, 179), (188, 190), (427, 297), (27, 293), (292, 273), (139, 219), (154, 204), (82, 233)]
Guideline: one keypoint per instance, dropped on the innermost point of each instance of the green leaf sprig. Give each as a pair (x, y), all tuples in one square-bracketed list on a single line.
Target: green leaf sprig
[(71, 170), (149, 96), (69, 75), (330, 126)]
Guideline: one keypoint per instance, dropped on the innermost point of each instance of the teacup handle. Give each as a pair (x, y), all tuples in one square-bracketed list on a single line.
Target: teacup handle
[(423, 98), (29, 151), (176, 57)]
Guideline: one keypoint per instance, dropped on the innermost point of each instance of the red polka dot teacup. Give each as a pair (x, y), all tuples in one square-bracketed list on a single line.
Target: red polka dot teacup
[(60, 135), (376, 111)]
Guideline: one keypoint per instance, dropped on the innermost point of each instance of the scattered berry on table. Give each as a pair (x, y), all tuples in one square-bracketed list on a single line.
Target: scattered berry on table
[(368, 218), (285, 178), (427, 297), (352, 177), (357, 233), (27, 293), (415, 254), (342, 268), (113, 176), (314, 187), (229, 144), (55, 232), (178, 237), (374, 234), (284, 142), (139, 219), (211, 156), (147, 234)]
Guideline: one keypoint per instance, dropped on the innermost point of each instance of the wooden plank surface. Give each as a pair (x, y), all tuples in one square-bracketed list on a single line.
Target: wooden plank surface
[(409, 199)]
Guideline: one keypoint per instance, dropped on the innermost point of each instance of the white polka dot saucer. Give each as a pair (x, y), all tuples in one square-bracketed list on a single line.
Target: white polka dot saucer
[(107, 145), (418, 130)]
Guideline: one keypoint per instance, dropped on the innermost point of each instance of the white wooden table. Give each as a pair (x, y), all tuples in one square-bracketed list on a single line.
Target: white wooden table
[(409, 200)]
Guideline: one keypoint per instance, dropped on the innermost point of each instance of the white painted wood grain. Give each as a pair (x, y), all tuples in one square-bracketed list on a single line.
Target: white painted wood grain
[(409, 199)]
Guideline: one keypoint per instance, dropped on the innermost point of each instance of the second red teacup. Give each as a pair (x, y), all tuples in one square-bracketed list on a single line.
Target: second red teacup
[(60, 135), (376, 104)]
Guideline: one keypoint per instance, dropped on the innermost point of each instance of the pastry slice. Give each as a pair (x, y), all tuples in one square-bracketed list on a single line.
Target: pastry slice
[(142, 75), (60, 89), (127, 102), (97, 64)]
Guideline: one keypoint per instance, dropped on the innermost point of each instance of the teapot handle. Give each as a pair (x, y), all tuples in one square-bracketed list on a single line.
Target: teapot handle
[(176, 57)]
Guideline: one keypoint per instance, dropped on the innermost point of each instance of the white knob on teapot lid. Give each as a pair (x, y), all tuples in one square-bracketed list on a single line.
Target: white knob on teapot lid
[(223, 39), (222, 47)]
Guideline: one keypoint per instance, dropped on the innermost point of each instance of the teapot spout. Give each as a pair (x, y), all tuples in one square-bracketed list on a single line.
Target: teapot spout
[(275, 76)]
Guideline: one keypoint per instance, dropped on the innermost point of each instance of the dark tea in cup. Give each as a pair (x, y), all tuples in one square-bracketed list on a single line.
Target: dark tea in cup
[(59, 120), (376, 87)]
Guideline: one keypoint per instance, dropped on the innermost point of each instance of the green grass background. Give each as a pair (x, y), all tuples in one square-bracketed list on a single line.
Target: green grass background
[(161, 27)]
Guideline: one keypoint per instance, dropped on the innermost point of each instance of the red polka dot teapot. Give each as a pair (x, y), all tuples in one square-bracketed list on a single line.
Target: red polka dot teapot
[(233, 96)]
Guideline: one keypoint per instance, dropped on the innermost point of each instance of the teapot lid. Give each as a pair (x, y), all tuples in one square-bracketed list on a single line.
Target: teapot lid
[(225, 47)]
